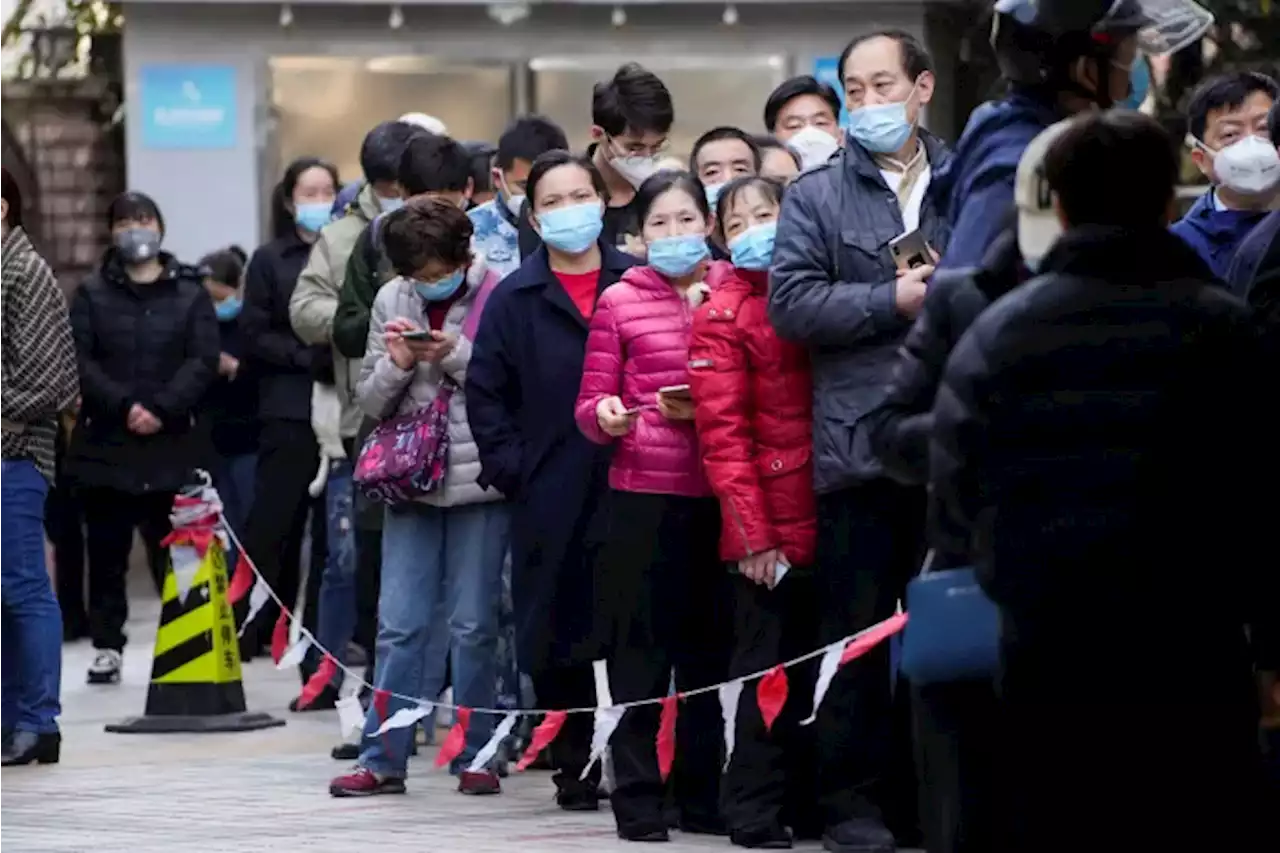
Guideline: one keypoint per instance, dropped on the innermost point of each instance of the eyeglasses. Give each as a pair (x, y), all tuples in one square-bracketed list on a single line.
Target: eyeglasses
[(639, 149)]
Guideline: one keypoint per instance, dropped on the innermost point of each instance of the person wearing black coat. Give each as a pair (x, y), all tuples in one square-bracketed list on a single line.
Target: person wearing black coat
[(522, 384), (288, 455), (1104, 436), (147, 344)]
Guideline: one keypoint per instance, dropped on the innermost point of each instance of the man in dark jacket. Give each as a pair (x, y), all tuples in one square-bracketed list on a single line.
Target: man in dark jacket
[(1109, 480), (834, 288), (147, 342), (1255, 269)]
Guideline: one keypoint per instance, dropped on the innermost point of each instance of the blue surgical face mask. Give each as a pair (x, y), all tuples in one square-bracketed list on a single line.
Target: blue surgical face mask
[(441, 289), (314, 215), (1139, 84), (753, 248), (713, 193), (229, 308), (572, 229), (386, 205), (679, 255), (883, 128)]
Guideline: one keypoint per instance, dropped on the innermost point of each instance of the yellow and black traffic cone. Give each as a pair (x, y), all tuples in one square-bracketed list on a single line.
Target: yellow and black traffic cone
[(195, 675)]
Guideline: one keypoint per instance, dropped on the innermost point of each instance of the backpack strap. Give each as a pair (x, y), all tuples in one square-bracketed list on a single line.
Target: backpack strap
[(487, 287)]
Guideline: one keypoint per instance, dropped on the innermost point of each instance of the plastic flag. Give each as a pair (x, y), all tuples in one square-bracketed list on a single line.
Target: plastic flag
[(403, 718), (666, 742), (323, 675), (279, 634), (827, 670), (730, 694), (186, 563), (241, 581), (543, 734), (872, 637), (500, 733), (295, 654), (606, 722), (771, 695), (350, 715), (456, 739)]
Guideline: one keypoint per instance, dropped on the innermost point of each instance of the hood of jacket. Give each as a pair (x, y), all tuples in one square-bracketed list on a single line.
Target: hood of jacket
[(366, 204), (1125, 256)]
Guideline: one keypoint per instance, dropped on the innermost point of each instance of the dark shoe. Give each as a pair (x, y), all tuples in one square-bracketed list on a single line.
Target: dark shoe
[(703, 825), (345, 752), (577, 799), (771, 837), (644, 834), (29, 747), (106, 667), (478, 784), (326, 701), (859, 835), (362, 782)]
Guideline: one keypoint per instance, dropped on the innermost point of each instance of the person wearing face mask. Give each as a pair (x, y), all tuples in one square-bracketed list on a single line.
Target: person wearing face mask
[(803, 113), (719, 156), (496, 221), (753, 406), (777, 161), (836, 289), (286, 367), (1255, 269), (147, 341), (521, 390), (1232, 147), (1060, 58), (663, 591), (631, 116), (442, 552)]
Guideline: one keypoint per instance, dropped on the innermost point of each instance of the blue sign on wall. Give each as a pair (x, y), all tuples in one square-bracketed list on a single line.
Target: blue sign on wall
[(826, 69), (188, 106)]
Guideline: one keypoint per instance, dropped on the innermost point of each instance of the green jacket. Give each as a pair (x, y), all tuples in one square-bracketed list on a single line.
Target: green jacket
[(359, 288), (314, 303)]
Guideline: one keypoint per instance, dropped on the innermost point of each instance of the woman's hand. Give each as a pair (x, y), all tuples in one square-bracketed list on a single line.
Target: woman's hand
[(675, 408), (228, 365), (613, 417), (398, 349), (760, 567), (436, 349)]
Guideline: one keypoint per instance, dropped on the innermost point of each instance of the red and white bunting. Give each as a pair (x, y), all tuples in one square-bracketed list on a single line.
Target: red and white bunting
[(456, 740), (403, 718), (295, 653), (279, 634), (771, 695), (666, 742), (827, 669), (500, 733), (543, 734), (730, 694), (350, 715), (258, 598), (607, 716)]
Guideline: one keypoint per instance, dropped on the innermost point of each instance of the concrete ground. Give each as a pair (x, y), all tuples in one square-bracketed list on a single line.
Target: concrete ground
[(257, 791)]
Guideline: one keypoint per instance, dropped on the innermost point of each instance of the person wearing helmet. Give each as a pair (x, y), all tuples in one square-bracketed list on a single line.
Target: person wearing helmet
[(1060, 57)]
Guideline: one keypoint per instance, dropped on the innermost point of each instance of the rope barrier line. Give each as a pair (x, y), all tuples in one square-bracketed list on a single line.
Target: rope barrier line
[(349, 673)]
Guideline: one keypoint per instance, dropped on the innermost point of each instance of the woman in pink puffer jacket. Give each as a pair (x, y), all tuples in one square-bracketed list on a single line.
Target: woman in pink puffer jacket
[(661, 588)]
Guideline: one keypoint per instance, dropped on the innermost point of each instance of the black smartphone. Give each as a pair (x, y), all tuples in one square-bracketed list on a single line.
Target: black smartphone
[(417, 336)]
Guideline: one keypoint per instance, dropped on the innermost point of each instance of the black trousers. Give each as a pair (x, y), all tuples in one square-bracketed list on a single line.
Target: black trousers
[(770, 778), (870, 542), (287, 460), (957, 763), (668, 608), (569, 686), (64, 525), (110, 518)]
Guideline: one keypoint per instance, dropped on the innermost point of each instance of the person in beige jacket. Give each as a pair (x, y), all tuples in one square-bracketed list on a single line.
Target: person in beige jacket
[(449, 545)]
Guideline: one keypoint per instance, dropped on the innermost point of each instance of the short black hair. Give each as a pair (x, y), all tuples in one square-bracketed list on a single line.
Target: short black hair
[(528, 138), (1100, 151), (283, 222), (662, 182), (915, 59), (1273, 124), (383, 147), (716, 134), (481, 165), (433, 163), (133, 206), (796, 87), (224, 266), (555, 159), (426, 230), (635, 99), (765, 141), (12, 195), (1225, 91), (768, 187)]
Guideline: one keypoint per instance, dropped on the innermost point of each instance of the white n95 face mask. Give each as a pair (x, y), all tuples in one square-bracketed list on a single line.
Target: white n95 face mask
[(1249, 166), (815, 146)]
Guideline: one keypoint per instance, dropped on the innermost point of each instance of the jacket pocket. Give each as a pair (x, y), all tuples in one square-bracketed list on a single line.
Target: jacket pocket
[(776, 463)]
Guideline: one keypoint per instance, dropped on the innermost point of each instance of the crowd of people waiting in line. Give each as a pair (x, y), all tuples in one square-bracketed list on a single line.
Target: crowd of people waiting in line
[(702, 418)]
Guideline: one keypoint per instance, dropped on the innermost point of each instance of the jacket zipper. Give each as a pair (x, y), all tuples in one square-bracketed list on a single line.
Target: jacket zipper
[(742, 530)]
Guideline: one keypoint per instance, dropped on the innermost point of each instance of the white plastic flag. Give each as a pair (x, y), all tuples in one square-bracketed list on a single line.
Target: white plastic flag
[(186, 563), (294, 654), (607, 717), (350, 714), (258, 598), (490, 749), (729, 695), (827, 670), (403, 718)]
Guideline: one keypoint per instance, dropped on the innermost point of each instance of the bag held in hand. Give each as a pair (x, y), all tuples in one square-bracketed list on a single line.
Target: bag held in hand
[(954, 632), (405, 457)]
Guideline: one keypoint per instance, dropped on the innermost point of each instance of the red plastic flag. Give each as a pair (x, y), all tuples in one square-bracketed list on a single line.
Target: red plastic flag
[(872, 637), (771, 695), (280, 636), (323, 675), (667, 735), (545, 732), (455, 740), (382, 704), (241, 580)]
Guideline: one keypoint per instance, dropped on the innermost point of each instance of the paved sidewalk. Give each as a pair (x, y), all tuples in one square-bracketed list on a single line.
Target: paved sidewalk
[(258, 791)]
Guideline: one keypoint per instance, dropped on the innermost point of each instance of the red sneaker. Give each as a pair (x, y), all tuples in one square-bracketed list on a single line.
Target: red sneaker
[(362, 782), (478, 783)]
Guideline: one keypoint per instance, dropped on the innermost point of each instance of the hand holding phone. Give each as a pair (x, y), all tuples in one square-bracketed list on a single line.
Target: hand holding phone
[(417, 335), (676, 392), (912, 250)]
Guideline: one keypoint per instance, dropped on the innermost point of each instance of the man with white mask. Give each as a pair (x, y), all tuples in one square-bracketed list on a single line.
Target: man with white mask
[(804, 114), (1230, 144)]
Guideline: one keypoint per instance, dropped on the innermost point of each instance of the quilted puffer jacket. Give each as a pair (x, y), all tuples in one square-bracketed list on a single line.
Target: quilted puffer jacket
[(638, 343), (753, 398)]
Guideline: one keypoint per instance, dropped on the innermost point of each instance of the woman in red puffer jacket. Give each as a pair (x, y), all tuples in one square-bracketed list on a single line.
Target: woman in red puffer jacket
[(662, 590), (753, 409)]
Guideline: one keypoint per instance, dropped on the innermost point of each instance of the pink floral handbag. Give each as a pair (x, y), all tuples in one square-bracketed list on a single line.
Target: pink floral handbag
[(405, 457)]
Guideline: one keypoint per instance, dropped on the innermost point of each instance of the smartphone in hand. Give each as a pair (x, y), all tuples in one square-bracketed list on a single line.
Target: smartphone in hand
[(911, 250), (676, 392), (417, 335)]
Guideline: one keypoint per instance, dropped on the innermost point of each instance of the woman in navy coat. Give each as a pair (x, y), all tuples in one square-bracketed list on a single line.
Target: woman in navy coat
[(521, 387)]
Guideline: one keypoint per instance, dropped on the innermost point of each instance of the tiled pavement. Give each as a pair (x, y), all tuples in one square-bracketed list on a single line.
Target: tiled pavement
[(257, 791)]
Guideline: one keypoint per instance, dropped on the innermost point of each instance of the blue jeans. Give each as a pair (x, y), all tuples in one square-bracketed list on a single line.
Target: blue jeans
[(32, 622), (437, 564), (234, 478), (336, 621)]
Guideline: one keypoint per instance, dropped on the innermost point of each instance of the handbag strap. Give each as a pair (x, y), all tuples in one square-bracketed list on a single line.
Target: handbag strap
[(930, 558)]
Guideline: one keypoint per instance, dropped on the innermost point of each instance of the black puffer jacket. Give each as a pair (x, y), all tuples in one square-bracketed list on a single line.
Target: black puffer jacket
[(1105, 435), (154, 344)]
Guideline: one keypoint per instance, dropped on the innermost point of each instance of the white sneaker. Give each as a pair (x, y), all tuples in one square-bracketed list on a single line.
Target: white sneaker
[(105, 668)]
